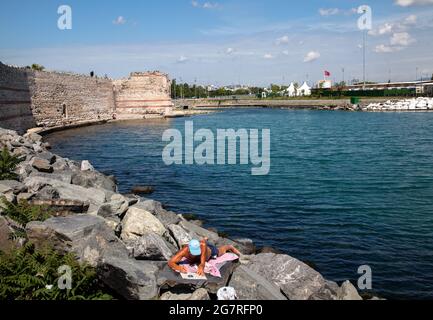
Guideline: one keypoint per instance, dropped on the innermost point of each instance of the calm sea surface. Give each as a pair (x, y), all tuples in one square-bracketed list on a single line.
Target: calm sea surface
[(344, 190)]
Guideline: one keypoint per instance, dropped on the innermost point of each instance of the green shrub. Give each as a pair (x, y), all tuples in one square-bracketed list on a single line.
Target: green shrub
[(8, 164), (23, 213), (30, 274)]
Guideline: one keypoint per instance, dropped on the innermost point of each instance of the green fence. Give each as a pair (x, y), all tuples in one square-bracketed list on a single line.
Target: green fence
[(366, 93)]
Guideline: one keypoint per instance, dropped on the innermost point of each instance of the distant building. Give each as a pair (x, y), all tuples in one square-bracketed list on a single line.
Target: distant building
[(324, 84), (420, 87)]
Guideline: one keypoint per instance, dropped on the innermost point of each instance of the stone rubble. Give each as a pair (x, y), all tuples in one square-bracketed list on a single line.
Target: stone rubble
[(129, 239), (414, 104)]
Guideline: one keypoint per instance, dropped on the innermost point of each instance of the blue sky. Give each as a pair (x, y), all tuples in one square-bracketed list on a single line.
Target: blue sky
[(222, 41)]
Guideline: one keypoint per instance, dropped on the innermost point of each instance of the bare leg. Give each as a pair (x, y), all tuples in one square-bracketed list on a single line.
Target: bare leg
[(224, 249)]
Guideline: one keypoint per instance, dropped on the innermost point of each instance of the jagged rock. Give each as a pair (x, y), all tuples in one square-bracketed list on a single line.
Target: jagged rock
[(12, 186), (6, 244), (63, 176), (47, 193), (166, 217), (198, 295), (37, 147), (10, 197), (87, 236), (21, 152), (86, 166), (113, 208), (199, 231), (248, 246), (152, 247), (93, 179), (268, 250), (62, 207), (61, 165), (131, 279), (23, 170), (138, 222), (329, 291), (24, 196), (181, 236), (42, 165), (142, 190), (251, 286), (296, 280), (348, 292), (68, 191), (33, 137), (51, 158)]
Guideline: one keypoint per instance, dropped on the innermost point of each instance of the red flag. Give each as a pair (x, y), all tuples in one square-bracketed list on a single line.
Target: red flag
[(327, 74)]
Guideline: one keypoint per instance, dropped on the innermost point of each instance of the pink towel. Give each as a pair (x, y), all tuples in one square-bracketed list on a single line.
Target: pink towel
[(212, 266)]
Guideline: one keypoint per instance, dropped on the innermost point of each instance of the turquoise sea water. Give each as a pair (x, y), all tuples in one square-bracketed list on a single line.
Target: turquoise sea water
[(344, 190)]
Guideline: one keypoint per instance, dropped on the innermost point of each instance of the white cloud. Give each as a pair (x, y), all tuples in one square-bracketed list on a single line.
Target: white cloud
[(329, 12), (206, 5), (336, 11), (230, 50), (312, 56), (402, 39), (282, 40), (286, 52), (268, 56), (408, 3), (119, 20), (412, 19), (384, 29), (395, 27), (182, 59), (383, 48)]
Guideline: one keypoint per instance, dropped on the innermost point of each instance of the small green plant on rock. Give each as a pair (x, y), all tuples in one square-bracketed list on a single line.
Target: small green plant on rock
[(31, 274), (23, 213), (8, 164)]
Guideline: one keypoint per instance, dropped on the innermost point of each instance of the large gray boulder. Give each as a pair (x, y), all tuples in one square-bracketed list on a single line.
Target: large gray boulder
[(152, 247), (115, 208), (67, 191), (192, 228), (94, 179), (63, 176), (166, 217), (11, 186), (88, 237), (249, 285), (181, 236), (42, 165), (348, 292), (138, 222), (131, 279), (198, 295), (295, 279)]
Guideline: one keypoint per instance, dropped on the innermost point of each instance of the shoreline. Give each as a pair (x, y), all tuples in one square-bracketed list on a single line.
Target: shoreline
[(109, 211)]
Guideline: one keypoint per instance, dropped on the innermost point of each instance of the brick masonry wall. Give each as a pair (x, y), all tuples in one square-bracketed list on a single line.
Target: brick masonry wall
[(60, 99), (15, 99), (31, 99), (143, 93)]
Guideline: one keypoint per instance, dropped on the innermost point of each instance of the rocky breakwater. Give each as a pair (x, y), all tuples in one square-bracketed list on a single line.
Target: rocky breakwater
[(129, 239), (415, 104)]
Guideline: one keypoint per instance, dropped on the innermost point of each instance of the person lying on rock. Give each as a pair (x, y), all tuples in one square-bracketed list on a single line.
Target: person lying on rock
[(199, 252)]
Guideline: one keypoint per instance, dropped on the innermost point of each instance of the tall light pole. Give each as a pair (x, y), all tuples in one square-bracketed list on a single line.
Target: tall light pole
[(363, 49)]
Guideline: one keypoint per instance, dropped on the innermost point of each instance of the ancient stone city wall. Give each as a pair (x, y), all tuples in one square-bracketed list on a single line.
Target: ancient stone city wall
[(52, 99), (143, 93)]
